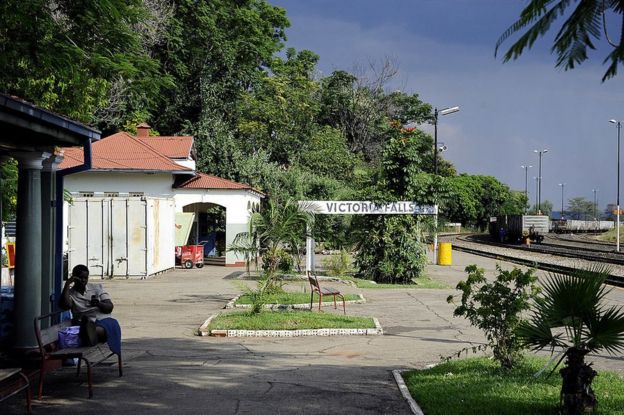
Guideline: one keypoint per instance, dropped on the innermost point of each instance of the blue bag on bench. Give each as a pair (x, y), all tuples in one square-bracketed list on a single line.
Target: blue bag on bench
[(69, 338)]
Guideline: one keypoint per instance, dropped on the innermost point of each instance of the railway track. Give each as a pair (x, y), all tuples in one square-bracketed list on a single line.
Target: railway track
[(576, 250), (548, 258)]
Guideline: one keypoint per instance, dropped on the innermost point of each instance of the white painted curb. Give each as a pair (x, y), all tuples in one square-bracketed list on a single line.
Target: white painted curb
[(203, 331), (406, 393)]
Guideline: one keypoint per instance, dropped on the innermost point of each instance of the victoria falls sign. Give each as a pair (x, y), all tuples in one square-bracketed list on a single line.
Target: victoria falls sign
[(332, 207)]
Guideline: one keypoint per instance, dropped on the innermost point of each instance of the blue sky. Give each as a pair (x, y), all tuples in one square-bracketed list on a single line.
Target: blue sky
[(445, 54)]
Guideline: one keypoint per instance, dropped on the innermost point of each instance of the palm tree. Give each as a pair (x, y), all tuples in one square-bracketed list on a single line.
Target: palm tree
[(571, 314), (276, 226), (584, 25)]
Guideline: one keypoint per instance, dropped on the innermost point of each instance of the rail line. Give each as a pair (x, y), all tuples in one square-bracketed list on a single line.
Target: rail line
[(615, 280), (578, 251)]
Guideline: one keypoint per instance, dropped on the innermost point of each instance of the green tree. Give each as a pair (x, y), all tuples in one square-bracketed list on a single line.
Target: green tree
[(327, 154), (214, 50), (584, 23), (572, 314), (8, 189), (580, 208), (278, 113), (390, 248), (66, 55), (546, 208), (472, 200), (362, 109)]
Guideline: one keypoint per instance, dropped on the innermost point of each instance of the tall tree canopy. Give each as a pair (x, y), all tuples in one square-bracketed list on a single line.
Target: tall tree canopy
[(64, 55)]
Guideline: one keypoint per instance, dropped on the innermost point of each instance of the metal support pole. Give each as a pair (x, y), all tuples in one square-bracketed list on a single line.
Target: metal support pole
[(617, 245), (562, 187), (435, 141), (435, 236), (435, 172), (595, 203), (539, 186), (536, 192)]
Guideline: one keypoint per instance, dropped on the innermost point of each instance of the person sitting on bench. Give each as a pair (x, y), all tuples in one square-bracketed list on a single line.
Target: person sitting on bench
[(91, 307)]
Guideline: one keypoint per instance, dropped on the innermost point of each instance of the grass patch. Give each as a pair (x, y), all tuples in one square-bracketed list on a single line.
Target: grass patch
[(288, 320), (295, 298), (610, 235), (480, 386), (422, 282)]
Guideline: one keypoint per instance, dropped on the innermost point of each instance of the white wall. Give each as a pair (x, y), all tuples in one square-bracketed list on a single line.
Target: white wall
[(155, 185), (190, 163), (237, 203)]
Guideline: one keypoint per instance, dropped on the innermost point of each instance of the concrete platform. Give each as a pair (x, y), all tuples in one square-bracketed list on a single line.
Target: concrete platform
[(171, 370)]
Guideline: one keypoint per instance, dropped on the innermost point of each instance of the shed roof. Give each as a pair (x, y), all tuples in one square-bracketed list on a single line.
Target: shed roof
[(123, 151), (206, 181), (171, 146)]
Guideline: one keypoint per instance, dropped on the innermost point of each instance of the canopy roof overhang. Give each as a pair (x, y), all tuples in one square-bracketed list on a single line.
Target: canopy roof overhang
[(26, 127)]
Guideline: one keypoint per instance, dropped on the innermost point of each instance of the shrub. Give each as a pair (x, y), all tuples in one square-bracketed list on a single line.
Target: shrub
[(390, 250), (338, 264), (496, 307), (280, 260)]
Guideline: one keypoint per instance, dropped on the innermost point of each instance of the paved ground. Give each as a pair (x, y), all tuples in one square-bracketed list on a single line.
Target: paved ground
[(170, 370)]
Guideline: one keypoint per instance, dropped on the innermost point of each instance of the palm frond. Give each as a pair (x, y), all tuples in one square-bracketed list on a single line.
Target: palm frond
[(575, 35), (537, 15), (606, 331), (570, 312)]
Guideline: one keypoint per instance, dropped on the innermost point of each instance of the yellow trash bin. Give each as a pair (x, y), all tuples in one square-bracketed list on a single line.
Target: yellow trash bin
[(445, 254)]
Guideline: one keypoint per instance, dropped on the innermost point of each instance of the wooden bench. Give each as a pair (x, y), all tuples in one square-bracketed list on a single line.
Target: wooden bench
[(12, 381), (52, 357), (316, 288)]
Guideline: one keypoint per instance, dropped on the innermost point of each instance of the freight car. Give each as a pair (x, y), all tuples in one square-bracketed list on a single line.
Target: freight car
[(514, 228), (578, 226)]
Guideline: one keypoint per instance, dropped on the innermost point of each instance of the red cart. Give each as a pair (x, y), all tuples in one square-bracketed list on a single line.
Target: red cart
[(188, 255)]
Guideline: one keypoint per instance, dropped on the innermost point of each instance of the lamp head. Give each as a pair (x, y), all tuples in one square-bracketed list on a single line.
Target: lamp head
[(613, 121), (447, 111)]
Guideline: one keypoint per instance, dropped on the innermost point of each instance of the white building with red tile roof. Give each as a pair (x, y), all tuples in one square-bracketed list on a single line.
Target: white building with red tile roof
[(122, 220)]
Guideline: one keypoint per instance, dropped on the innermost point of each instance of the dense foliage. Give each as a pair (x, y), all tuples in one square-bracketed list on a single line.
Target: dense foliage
[(260, 113)]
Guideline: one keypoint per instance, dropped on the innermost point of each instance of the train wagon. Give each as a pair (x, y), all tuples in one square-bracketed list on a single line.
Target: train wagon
[(512, 228), (578, 226)]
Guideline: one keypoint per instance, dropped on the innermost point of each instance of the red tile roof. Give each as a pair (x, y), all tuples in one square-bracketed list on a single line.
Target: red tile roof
[(172, 147), (122, 151), (206, 181)]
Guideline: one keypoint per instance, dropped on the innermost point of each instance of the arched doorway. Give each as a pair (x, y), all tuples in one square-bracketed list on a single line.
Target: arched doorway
[(208, 229)]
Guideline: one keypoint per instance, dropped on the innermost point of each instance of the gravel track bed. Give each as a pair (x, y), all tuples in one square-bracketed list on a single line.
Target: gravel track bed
[(617, 270)]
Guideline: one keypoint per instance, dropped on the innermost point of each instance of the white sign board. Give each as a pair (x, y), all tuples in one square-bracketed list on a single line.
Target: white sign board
[(332, 207)]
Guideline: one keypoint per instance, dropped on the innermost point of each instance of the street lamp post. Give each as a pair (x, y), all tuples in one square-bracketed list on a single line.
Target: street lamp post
[(536, 189), (562, 186), (526, 177), (436, 114), (539, 175), (595, 191), (617, 222)]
